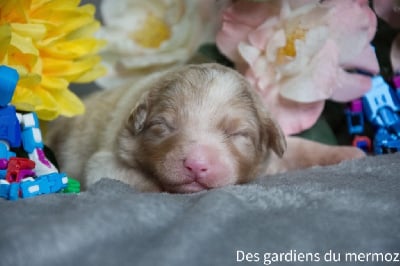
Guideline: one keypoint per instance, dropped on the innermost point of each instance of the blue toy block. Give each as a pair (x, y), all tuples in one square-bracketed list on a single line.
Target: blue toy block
[(387, 146), (14, 191), (32, 139), (8, 81), (384, 142), (57, 181), (10, 130), (363, 143), (4, 189), (355, 122), (4, 151), (30, 188), (44, 185), (380, 104), (3, 174), (31, 135)]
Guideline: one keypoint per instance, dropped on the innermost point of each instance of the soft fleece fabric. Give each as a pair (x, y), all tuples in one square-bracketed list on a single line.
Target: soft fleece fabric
[(350, 207)]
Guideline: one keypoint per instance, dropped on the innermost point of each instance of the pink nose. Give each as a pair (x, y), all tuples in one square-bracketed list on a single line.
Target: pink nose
[(199, 161), (197, 167)]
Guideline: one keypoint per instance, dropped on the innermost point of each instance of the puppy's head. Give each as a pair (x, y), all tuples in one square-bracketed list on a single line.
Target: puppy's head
[(197, 128)]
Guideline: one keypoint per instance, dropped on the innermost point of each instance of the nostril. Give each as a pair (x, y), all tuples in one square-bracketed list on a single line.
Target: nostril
[(196, 166)]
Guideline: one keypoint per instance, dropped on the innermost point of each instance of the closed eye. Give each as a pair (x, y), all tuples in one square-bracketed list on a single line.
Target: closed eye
[(160, 126), (244, 134), (240, 137)]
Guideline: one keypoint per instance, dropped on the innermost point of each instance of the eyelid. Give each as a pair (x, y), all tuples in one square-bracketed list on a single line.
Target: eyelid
[(161, 121), (243, 133)]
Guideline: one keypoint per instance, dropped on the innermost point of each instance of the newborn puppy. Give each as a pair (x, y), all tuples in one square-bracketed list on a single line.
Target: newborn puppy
[(196, 128), (192, 129)]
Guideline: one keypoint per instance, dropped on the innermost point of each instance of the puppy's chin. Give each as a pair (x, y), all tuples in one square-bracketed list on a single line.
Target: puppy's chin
[(179, 178), (190, 184), (191, 187)]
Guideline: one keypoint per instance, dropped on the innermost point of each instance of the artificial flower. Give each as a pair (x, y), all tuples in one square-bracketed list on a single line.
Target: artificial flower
[(50, 44), (395, 55), (145, 36), (389, 11), (296, 53)]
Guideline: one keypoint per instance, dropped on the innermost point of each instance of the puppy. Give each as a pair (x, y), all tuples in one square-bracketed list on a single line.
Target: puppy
[(195, 128)]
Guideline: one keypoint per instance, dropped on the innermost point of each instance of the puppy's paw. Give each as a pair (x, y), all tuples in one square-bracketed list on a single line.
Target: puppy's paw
[(347, 153), (304, 153)]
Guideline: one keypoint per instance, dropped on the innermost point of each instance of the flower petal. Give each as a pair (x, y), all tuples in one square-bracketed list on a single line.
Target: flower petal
[(92, 74), (366, 60), (237, 24), (69, 104), (52, 83), (70, 70), (148, 60), (240, 10), (34, 31), (24, 45), (293, 117), (351, 86), (355, 28), (60, 102), (395, 54), (277, 41), (317, 80), (5, 39), (229, 37), (15, 10), (388, 10), (83, 32), (72, 49), (28, 79), (249, 53), (25, 99), (48, 108)]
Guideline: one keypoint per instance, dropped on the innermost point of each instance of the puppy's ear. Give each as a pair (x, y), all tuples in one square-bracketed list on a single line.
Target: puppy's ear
[(138, 116), (272, 135)]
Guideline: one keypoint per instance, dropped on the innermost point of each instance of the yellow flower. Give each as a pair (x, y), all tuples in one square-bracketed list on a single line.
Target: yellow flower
[(50, 43)]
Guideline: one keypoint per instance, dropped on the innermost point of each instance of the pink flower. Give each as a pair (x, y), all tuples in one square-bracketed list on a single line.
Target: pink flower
[(295, 53), (395, 54), (389, 10)]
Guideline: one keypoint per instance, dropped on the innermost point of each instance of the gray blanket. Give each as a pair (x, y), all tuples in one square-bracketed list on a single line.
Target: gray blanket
[(348, 212)]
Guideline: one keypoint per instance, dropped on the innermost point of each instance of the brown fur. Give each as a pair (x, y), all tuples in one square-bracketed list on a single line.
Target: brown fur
[(208, 114)]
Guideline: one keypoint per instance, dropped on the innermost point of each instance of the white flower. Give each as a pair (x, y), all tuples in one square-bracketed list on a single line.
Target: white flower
[(150, 35)]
